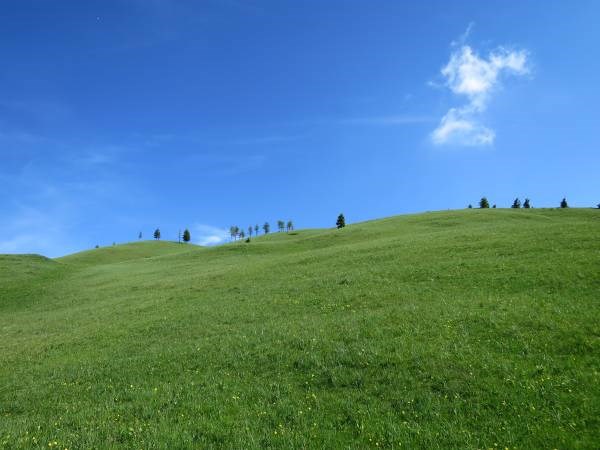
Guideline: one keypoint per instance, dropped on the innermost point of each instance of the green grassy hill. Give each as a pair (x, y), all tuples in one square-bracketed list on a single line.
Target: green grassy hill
[(460, 329), (125, 252), (23, 267)]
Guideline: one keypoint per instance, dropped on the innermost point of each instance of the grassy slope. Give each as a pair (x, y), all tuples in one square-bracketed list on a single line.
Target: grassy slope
[(125, 252), (468, 329), (23, 267)]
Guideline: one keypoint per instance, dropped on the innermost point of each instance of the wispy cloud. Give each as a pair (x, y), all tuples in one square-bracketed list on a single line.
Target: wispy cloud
[(36, 230), (476, 78), (21, 137), (274, 139), (209, 235), (37, 111), (462, 39), (49, 190), (386, 120), (218, 165), (93, 155), (459, 126), (196, 138)]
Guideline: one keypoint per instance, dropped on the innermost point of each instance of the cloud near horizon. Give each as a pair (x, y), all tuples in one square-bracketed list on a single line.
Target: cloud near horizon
[(207, 235), (477, 78), (36, 230)]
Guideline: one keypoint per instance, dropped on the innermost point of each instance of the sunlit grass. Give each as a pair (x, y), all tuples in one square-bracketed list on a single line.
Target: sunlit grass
[(468, 329)]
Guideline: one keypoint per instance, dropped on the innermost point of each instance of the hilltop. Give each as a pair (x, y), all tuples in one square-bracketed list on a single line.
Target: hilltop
[(125, 252), (455, 329)]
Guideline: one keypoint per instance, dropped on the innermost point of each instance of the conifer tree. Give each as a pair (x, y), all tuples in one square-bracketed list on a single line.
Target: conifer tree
[(516, 204), (187, 237), (563, 203), (256, 228), (266, 227), (157, 234), (483, 203), (341, 221), (470, 206), (526, 204)]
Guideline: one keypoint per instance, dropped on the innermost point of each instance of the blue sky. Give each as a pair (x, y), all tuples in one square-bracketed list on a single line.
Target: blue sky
[(122, 116)]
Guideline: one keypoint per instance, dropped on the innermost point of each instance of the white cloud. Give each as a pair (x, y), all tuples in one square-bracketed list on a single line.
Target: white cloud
[(209, 235), (477, 78), (468, 74), (457, 127)]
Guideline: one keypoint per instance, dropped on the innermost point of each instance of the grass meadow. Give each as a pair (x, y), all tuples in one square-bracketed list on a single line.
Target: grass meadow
[(461, 329)]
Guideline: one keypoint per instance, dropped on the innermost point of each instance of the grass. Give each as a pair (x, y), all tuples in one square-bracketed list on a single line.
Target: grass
[(461, 329)]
